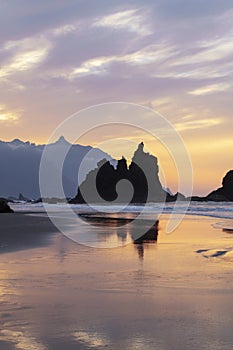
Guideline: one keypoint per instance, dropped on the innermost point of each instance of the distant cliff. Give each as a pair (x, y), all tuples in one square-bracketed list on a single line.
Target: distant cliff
[(142, 174)]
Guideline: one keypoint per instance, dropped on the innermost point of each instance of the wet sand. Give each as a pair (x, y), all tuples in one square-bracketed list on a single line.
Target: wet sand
[(22, 230), (175, 294)]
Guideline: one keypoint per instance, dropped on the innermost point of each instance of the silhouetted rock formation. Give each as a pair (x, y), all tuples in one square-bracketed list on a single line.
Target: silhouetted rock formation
[(4, 207), (137, 184), (176, 197), (222, 194)]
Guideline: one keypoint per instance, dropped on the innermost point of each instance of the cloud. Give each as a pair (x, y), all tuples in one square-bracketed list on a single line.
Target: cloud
[(210, 89), (76, 55), (64, 29), (146, 56), (26, 54), (197, 124), (6, 115), (208, 51), (132, 20), (94, 66)]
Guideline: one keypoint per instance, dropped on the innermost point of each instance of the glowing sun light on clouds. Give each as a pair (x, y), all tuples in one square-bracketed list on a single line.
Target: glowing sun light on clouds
[(7, 115)]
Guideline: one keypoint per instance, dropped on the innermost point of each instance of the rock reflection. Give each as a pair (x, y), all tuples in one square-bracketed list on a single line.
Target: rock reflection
[(150, 236), (140, 249)]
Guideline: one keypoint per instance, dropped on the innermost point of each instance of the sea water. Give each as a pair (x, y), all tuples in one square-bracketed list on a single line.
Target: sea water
[(218, 210)]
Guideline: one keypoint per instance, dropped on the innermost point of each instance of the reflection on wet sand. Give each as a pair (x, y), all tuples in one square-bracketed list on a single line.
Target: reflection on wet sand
[(139, 230), (149, 236), (90, 339), (20, 340), (228, 230), (70, 296)]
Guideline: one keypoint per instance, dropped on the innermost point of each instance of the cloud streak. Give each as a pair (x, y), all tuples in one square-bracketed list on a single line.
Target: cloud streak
[(197, 124), (25, 54), (131, 20), (146, 56), (210, 89)]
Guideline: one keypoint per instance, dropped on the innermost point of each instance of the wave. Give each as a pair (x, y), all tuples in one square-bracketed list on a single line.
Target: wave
[(222, 210)]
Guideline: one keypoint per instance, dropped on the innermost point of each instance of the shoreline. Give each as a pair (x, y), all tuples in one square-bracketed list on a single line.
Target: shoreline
[(27, 230)]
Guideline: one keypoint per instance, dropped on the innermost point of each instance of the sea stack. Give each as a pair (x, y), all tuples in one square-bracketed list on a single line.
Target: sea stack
[(141, 181)]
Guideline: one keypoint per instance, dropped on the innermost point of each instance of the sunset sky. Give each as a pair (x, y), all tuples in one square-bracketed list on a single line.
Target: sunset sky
[(174, 56)]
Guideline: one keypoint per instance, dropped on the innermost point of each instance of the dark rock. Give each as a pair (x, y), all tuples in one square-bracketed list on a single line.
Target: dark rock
[(197, 199), (176, 197), (138, 183), (216, 196), (4, 207), (222, 194)]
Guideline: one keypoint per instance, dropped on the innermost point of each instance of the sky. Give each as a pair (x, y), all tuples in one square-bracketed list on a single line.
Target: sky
[(173, 56)]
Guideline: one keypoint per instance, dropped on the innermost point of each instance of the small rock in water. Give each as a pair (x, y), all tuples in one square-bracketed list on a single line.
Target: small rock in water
[(4, 207)]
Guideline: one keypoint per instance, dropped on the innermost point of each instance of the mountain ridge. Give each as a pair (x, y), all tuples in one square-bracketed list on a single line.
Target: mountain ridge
[(20, 162)]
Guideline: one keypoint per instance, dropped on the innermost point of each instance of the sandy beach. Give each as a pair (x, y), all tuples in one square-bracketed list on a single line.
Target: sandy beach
[(22, 230), (173, 294)]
